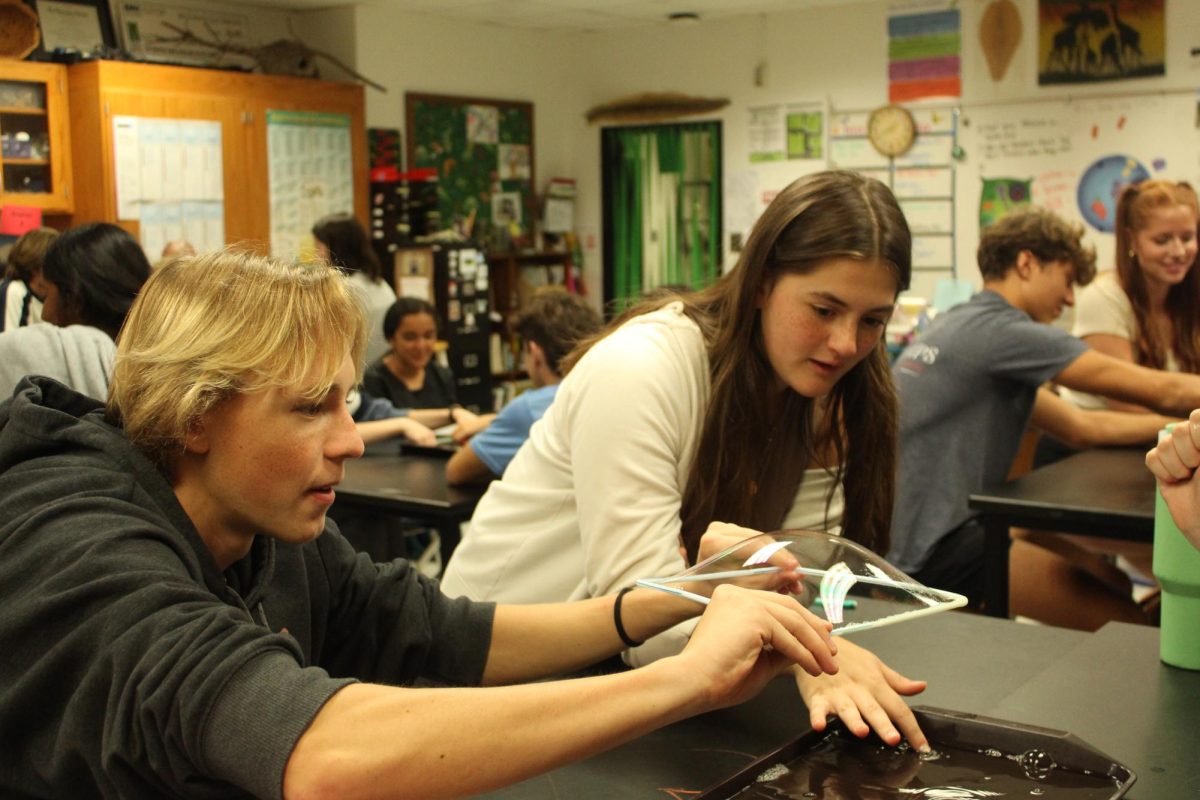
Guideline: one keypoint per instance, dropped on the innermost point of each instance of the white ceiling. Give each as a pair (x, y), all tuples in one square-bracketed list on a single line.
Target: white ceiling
[(569, 15)]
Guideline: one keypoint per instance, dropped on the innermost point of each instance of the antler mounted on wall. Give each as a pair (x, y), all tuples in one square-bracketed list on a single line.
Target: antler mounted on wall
[(650, 106)]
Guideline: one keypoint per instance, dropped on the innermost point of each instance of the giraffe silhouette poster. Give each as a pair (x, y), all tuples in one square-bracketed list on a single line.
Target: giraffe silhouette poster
[(1084, 41)]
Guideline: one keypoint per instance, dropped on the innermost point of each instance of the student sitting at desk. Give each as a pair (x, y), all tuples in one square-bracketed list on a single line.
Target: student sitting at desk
[(20, 304), (552, 323), (342, 241), (972, 382), (89, 278), (407, 375), (763, 400), (180, 620), (409, 378), (1145, 311)]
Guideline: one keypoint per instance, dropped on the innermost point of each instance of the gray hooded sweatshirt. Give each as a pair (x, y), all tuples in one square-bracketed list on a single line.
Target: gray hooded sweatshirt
[(78, 356), (134, 667)]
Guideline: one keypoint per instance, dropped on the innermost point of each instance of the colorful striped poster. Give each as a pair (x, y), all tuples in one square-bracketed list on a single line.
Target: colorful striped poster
[(923, 51)]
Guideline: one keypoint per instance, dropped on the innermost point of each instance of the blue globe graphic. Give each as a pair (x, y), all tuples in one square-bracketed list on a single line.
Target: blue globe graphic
[(1100, 185)]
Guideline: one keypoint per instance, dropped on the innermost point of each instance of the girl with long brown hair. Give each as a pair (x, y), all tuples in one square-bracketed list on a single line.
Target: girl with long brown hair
[(764, 400), (344, 242), (1147, 310)]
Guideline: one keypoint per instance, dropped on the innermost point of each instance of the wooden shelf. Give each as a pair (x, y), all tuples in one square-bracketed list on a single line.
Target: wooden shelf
[(23, 112), (25, 162), (506, 275)]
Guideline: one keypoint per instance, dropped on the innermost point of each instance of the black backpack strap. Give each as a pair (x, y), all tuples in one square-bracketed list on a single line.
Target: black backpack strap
[(26, 303), (4, 284)]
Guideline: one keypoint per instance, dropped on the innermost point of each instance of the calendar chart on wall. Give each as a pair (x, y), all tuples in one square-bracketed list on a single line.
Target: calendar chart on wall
[(311, 175), (169, 179)]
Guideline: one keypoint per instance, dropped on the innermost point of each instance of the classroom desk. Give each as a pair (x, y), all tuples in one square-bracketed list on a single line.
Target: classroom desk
[(1112, 691), (1105, 492), (412, 486), (1108, 688)]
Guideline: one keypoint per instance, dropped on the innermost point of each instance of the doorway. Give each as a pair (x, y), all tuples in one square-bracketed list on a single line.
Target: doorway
[(662, 208)]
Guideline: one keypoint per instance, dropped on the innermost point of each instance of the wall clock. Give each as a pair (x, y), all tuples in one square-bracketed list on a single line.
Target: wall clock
[(891, 130)]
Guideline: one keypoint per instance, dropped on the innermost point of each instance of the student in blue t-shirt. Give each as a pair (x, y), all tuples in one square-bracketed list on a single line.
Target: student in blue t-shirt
[(549, 327)]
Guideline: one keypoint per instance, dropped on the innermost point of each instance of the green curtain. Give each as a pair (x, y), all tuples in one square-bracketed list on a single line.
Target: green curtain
[(664, 213)]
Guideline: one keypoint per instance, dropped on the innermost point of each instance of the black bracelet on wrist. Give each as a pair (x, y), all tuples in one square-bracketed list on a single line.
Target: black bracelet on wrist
[(625, 637)]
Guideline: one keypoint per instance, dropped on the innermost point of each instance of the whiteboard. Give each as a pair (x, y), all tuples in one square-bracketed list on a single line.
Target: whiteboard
[(1052, 144), (1074, 152)]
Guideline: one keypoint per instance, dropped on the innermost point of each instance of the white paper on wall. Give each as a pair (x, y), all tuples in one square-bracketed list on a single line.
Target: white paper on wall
[(169, 176), (310, 161)]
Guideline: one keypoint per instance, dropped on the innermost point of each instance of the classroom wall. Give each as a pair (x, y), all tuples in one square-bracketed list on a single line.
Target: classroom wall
[(418, 53), (839, 54), (816, 54), (333, 31), (565, 74), (836, 54)]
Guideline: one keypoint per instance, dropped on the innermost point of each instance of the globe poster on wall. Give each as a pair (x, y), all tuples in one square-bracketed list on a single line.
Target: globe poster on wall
[(1101, 184)]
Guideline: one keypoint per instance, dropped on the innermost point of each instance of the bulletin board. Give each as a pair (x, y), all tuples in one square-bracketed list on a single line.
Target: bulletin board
[(483, 151), (1071, 156)]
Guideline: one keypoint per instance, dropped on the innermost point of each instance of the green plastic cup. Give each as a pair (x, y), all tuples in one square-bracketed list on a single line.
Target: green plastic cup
[(1177, 567)]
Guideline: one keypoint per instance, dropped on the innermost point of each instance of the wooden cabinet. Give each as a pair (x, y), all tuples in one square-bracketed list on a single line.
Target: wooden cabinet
[(35, 145), (240, 101)]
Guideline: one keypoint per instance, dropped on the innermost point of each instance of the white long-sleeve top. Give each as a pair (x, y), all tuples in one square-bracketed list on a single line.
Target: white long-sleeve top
[(376, 298), (591, 501)]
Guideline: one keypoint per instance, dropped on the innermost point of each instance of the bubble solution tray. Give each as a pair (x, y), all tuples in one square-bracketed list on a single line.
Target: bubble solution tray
[(973, 757)]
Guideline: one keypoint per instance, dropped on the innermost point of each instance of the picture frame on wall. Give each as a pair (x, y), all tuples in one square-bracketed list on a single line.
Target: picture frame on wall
[(150, 31), (412, 272), (73, 30)]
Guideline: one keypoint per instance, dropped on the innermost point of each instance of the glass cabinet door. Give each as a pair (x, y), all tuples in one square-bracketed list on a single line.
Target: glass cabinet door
[(24, 138), (35, 158)]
